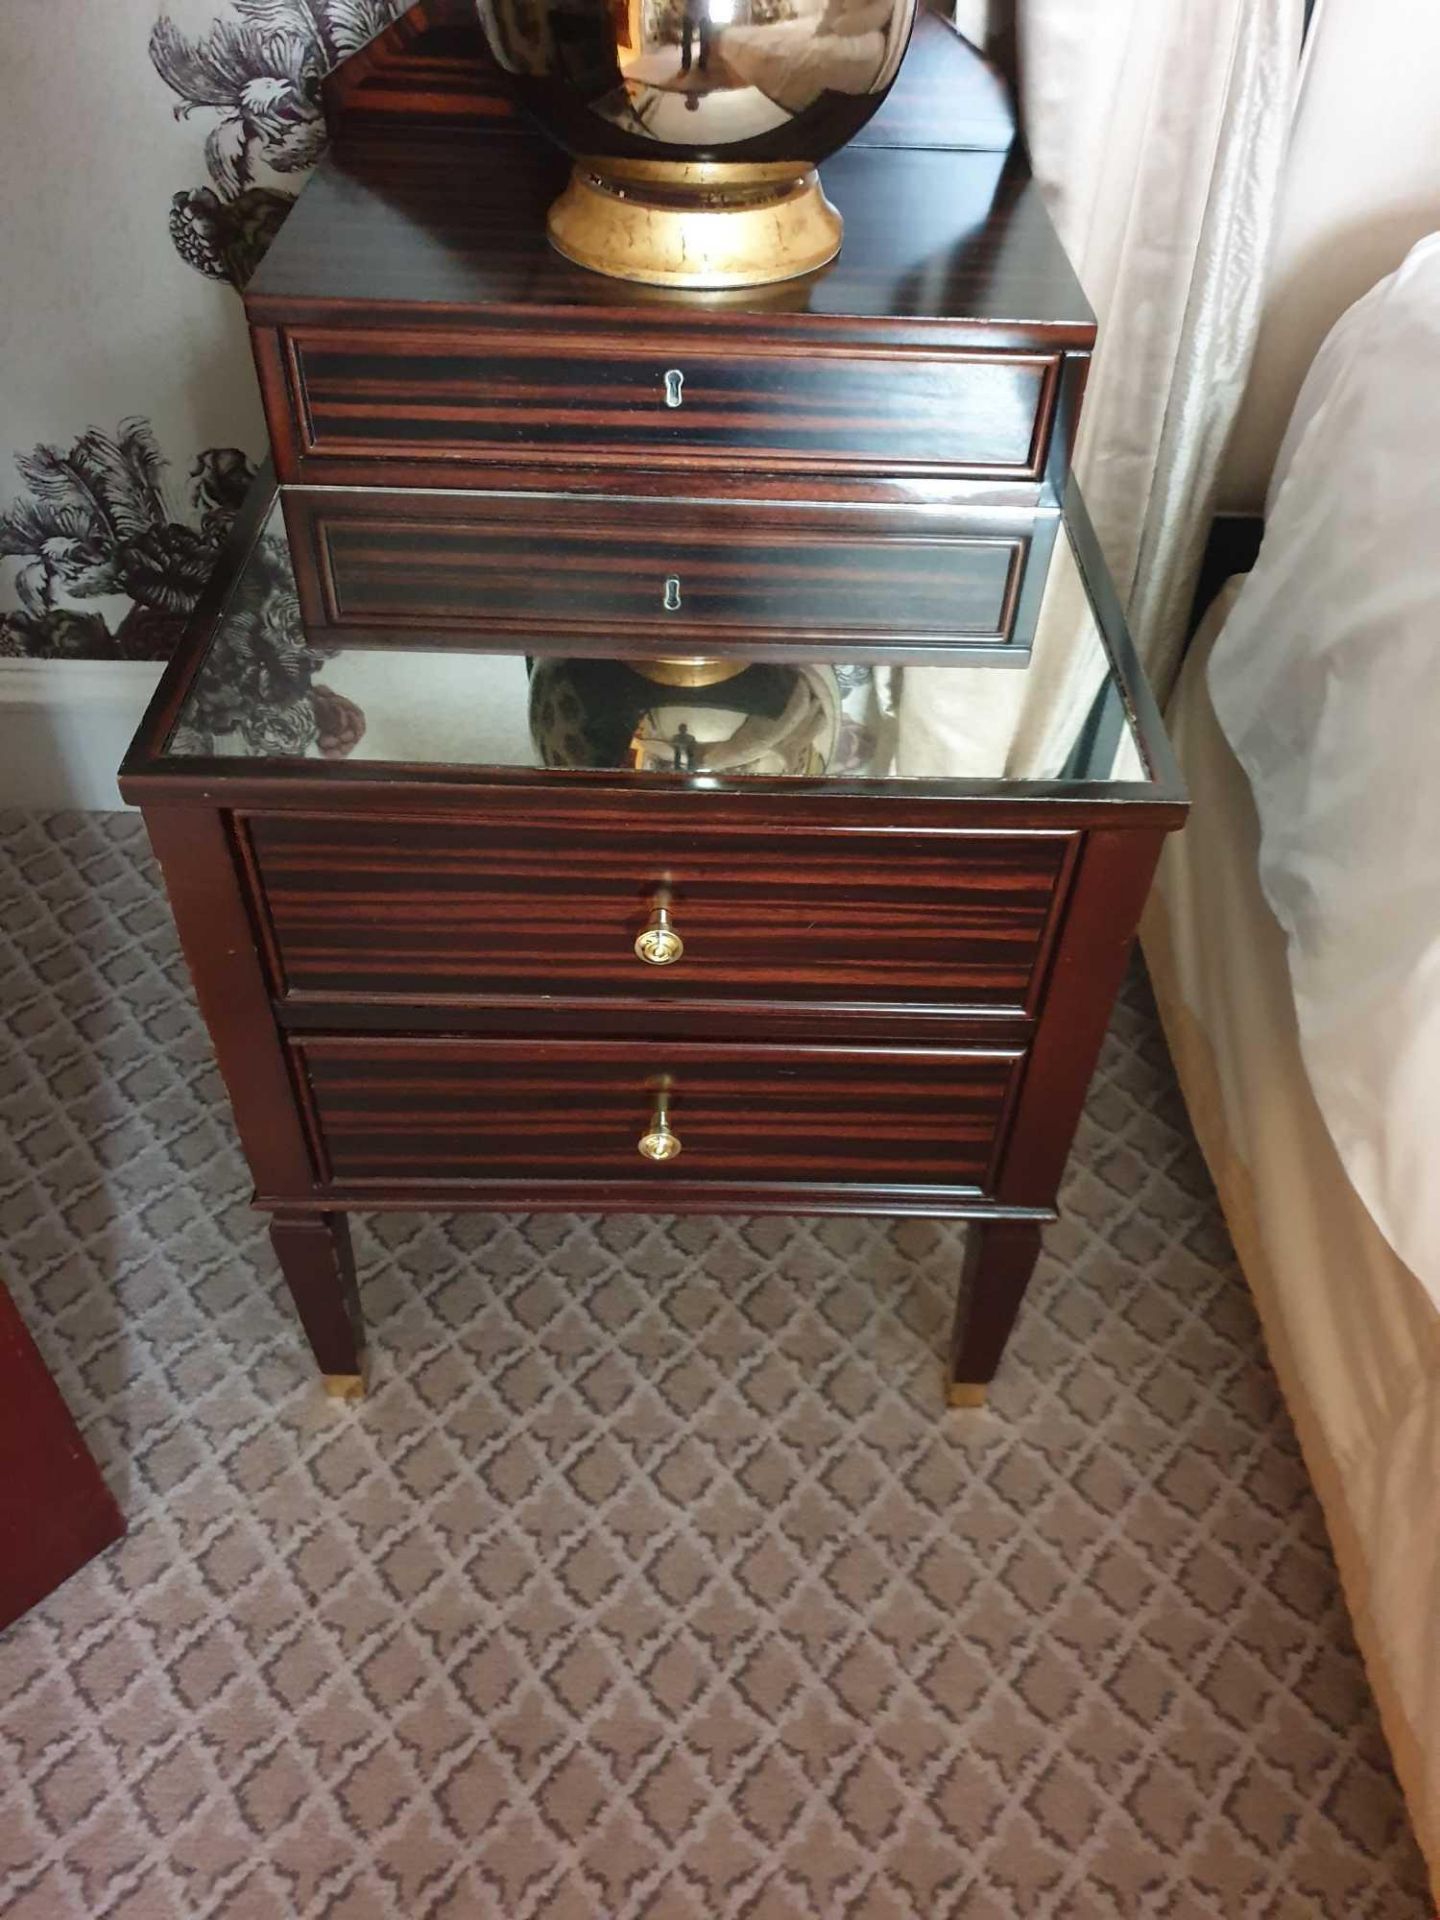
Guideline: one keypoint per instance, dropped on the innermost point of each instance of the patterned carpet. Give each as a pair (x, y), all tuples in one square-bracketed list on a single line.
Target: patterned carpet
[(653, 1579)]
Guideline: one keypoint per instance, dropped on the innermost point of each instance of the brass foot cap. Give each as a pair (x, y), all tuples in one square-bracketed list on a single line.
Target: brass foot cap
[(965, 1393), (347, 1387)]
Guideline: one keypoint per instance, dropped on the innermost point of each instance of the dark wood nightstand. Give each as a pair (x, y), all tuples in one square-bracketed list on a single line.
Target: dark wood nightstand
[(483, 909)]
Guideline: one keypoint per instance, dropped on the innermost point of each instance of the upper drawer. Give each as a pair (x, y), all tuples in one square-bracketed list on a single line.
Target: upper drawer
[(440, 408), (665, 574), (415, 910)]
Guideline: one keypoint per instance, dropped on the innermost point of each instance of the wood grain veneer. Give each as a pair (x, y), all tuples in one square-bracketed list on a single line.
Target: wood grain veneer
[(668, 574), (466, 1111), (437, 224), (457, 400), (410, 910)]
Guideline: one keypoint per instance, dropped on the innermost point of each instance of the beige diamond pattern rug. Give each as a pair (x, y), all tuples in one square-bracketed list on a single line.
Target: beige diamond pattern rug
[(654, 1579)]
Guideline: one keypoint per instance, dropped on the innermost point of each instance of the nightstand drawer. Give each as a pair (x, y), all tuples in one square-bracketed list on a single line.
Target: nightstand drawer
[(412, 911), (464, 1112), (660, 574), (436, 407)]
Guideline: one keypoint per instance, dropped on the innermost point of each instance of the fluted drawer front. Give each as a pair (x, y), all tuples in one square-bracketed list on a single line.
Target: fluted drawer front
[(414, 909), (655, 574), (455, 402), (468, 1111)]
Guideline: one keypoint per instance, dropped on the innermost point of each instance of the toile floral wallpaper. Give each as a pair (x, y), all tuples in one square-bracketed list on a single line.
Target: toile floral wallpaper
[(161, 149)]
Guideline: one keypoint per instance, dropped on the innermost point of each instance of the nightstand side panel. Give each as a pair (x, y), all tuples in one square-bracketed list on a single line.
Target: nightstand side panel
[(222, 949)]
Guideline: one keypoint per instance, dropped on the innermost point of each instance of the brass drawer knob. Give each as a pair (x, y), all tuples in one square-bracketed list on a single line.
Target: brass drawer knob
[(659, 945), (660, 1141)]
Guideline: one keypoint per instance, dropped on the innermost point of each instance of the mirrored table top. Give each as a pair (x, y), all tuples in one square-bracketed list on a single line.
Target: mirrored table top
[(261, 692)]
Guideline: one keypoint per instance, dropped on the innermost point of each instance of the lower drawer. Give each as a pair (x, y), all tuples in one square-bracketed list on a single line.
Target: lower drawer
[(402, 1112)]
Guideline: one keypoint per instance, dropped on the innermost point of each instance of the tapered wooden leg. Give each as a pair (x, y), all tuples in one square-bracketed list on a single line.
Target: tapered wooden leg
[(314, 1254), (1000, 1257)]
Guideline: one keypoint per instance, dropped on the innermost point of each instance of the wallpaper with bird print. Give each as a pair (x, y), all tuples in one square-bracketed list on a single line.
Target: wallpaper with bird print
[(110, 514), (257, 74)]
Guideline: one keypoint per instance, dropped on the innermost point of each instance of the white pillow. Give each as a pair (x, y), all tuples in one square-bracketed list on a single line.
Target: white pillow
[(1326, 681)]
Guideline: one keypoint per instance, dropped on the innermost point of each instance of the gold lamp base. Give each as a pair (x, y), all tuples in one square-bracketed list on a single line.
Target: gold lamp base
[(695, 224), (700, 670)]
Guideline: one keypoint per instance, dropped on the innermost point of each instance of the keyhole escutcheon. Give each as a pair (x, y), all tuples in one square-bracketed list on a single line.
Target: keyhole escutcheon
[(674, 381), (672, 594)]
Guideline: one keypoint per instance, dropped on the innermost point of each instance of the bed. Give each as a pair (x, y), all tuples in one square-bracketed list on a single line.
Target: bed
[(856, 50), (1354, 1336)]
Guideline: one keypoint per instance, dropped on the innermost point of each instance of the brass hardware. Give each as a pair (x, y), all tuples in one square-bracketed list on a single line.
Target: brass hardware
[(660, 1142), (697, 224), (349, 1387), (659, 945), (672, 593), (674, 381), (966, 1393), (697, 670)]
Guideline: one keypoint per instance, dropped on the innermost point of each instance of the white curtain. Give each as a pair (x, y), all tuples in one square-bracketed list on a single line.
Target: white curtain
[(1157, 130)]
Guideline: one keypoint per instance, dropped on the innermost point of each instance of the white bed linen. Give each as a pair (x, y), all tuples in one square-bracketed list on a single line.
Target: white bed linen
[(1354, 1338), (1326, 681), (793, 65)]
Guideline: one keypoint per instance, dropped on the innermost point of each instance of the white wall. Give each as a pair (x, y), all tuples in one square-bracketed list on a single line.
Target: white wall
[(145, 166), (1362, 185), (100, 317), (104, 319), (64, 728)]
